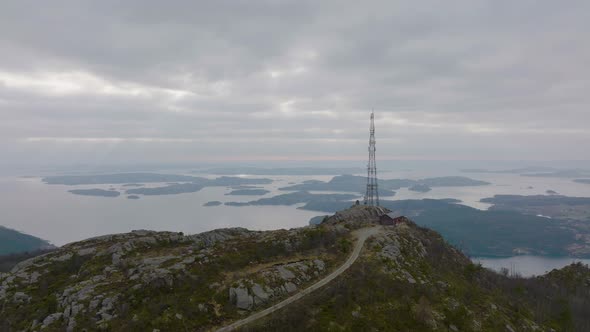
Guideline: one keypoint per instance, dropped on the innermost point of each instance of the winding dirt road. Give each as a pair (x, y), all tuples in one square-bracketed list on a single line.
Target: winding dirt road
[(361, 235)]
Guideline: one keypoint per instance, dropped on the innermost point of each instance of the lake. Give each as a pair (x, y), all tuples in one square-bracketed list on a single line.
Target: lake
[(52, 213)]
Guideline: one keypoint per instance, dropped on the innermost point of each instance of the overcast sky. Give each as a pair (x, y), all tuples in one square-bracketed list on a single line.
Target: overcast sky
[(183, 81)]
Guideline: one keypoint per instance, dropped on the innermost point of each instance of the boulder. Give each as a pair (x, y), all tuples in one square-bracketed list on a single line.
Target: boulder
[(51, 319), (285, 273), (86, 251), (240, 297), (20, 297), (260, 295), (320, 265), (290, 287)]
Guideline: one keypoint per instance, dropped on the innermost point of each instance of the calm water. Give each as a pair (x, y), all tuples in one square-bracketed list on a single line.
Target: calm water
[(501, 184), (528, 266), (50, 212)]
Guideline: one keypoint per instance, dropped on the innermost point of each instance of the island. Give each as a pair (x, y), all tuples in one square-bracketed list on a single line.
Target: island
[(191, 187), (300, 197), (175, 184), (13, 241), (551, 192), (586, 181), (167, 190), (246, 187), (554, 206), (249, 192), (421, 188), (353, 183), (132, 197), (481, 233), (213, 203), (95, 192)]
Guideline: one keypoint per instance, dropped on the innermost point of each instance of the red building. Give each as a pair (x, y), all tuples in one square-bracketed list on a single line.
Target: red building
[(387, 219)]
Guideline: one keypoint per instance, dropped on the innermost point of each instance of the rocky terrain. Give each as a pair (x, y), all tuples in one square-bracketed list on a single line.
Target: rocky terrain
[(407, 279), (160, 280)]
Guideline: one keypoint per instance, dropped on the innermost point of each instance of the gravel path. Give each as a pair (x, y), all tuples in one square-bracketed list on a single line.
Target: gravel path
[(361, 235)]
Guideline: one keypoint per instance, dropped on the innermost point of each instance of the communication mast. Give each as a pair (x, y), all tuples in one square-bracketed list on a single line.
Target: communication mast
[(372, 195)]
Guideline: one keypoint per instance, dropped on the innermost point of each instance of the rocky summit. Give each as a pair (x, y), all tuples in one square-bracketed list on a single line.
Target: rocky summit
[(406, 278)]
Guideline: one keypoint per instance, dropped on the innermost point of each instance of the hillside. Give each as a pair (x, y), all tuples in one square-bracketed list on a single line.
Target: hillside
[(406, 279), (12, 241), (480, 233)]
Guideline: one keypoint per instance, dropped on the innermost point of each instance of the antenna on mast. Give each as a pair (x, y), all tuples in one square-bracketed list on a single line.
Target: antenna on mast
[(372, 194)]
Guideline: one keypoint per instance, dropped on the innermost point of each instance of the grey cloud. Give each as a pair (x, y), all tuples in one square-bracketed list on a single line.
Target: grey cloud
[(144, 80)]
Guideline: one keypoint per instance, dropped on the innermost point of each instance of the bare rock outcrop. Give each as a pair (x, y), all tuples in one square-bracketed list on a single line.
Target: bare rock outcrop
[(358, 214)]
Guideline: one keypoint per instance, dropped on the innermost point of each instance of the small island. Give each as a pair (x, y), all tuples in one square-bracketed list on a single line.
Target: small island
[(95, 192), (298, 198), (353, 183), (213, 203), (175, 184), (246, 187), (586, 181), (249, 192), (132, 197), (191, 187), (551, 192), (421, 188), (174, 189)]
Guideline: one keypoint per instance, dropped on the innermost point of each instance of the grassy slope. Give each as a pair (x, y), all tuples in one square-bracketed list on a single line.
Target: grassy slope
[(448, 292), (427, 286), (157, 304)]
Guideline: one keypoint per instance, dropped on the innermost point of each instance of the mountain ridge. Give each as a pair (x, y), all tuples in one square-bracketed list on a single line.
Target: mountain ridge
[(146, 280)]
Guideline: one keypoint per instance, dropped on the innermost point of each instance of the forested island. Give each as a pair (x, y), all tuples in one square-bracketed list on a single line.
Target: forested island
[(353, 183), (299, 197), (479, 232), (248, 192), (13, 241), (175, 184), (95, 192), (554, 206)]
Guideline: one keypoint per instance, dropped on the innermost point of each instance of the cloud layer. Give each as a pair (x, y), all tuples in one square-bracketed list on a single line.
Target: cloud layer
[(152, 81)]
